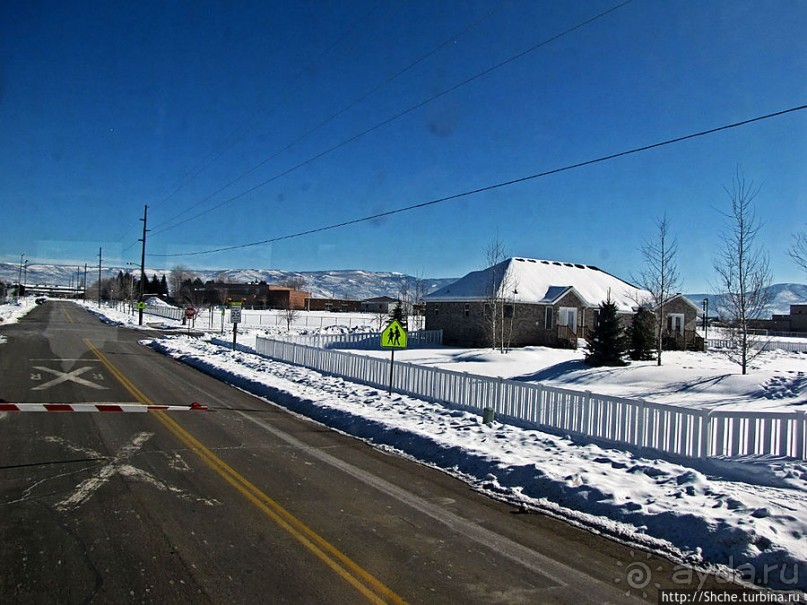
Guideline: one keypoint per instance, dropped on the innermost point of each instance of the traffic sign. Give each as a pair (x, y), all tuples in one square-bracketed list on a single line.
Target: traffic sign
[(393, 336), (235, 315), (141, 305), (190, 312)]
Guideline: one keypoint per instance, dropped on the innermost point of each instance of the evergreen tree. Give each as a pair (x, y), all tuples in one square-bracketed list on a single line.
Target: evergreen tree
[(398, 314), (641, 335), (154, 285), (163, 286), (607, 344)]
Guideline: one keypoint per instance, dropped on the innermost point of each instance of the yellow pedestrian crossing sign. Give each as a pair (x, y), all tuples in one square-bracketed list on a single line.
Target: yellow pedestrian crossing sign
[(393, 336)]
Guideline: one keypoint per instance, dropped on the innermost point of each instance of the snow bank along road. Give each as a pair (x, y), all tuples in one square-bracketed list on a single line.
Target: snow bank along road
[(246, 502)]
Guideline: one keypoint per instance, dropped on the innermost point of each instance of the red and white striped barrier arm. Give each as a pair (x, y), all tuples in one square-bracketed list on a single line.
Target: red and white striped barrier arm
[(97, 407)]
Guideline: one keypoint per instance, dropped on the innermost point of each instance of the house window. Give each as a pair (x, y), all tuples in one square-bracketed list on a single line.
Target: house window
[(675, 323), (567, 316), (548, 320), (467, 310), (508, 311), (595, 320), (436, 310)]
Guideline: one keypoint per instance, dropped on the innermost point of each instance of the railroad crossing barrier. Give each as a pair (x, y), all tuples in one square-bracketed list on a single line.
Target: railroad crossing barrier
[(97, 407)]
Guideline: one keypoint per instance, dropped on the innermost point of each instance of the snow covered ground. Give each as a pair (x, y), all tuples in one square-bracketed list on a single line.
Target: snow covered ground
[(746, 519), (11, 312), (777, 380)]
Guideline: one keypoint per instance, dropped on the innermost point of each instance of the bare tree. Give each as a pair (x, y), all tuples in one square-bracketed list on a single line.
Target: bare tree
[(660, 276), (417, 292), (798, 251), (499, 308), (743, 272), (381, 317), (180, 280), (294, 282), (289, 313), (404, 288)]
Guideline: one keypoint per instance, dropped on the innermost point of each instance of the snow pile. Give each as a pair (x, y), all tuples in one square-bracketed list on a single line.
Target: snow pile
[(335, 329), (156, 301), (11, 312), (755, 526)]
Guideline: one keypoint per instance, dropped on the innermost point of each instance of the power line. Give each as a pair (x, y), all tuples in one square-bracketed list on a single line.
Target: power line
[(496, 185), (398, 116), (330, 118), (239, 133)]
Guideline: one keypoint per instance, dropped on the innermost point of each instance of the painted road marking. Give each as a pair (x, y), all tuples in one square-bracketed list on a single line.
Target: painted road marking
[(61, 377), (117, 465), (367, 584), (66, 314)]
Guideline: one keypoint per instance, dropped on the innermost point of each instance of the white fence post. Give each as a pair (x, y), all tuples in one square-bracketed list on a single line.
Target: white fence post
[(641, 410), (801, 435)]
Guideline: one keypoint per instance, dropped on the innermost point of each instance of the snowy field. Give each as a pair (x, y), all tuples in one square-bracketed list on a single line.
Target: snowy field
[(777, 380), (745, 519)]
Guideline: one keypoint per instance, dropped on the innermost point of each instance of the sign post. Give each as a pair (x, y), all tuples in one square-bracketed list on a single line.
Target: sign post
[(393, 337), (235, 318), (190, 313)]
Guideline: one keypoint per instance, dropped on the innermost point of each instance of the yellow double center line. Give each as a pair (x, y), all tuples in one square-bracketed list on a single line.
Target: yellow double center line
[(66, 314), (362, 580)]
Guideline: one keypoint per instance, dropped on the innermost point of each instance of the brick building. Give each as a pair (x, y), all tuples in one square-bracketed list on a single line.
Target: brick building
[(544, 302)]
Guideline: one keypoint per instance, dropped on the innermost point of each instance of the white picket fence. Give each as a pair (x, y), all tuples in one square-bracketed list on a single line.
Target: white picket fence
[(363, 340), (768, 344), (167, 312), (631, 422)]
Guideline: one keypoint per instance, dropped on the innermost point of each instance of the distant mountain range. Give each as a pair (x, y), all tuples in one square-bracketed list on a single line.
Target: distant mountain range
[(782, 296), (349, 284)]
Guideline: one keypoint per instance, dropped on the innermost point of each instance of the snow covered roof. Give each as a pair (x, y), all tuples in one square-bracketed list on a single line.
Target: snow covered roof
[(528, 280)]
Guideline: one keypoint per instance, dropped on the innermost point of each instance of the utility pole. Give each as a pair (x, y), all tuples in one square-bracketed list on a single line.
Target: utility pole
[(19, 278), (84, 285), (99, 278), (142, 267)]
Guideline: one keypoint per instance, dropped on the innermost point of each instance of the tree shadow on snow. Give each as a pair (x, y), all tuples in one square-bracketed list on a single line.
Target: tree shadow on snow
[(554, 372)]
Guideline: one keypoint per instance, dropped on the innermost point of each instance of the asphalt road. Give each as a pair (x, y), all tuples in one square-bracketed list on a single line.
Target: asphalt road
[(245, 503)]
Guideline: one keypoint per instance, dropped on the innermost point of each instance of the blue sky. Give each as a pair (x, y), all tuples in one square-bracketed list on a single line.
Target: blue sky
[(108, 106)]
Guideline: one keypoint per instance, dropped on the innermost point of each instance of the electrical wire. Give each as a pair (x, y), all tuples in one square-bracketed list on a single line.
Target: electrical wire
[(397, 116), (238, 134), (492, 187), (333, 116)]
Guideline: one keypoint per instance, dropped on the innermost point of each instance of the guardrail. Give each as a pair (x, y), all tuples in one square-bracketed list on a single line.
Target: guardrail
[(630, 422)]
